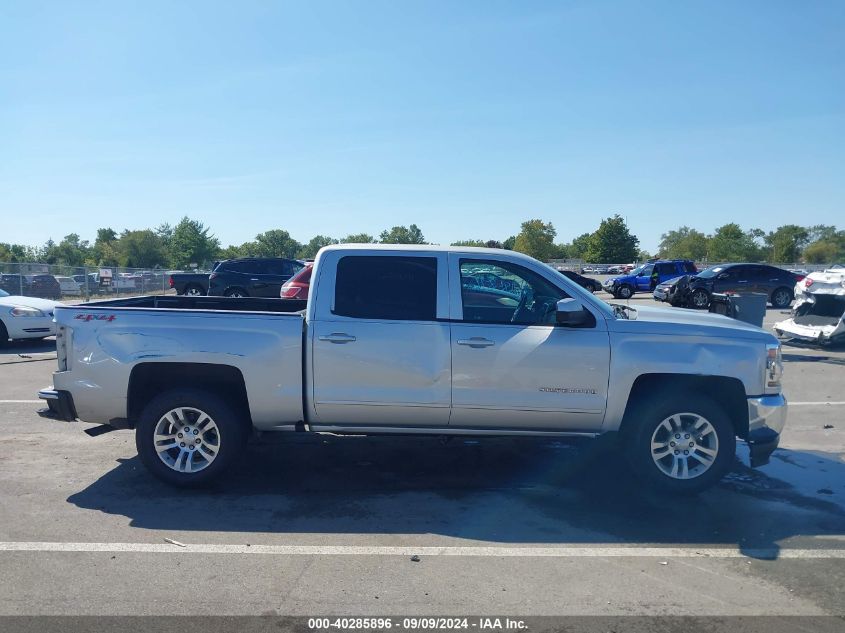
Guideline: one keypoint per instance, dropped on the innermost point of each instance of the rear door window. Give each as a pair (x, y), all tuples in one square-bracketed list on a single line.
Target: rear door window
[(389, 288), (278, 267)]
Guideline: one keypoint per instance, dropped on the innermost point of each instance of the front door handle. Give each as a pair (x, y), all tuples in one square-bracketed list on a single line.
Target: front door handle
[(338, 337), (476, 341)]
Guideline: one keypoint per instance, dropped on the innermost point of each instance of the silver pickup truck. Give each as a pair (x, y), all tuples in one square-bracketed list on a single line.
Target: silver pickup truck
[(421, 339)]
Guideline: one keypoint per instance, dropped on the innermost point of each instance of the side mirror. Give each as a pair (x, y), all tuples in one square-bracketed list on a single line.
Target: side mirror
[(570, 312)]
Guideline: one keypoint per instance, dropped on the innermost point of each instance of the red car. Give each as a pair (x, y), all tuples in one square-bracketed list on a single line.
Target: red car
[(297, 286)]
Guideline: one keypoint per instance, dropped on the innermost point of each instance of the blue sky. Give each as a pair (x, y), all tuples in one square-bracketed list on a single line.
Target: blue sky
[(463, 117)]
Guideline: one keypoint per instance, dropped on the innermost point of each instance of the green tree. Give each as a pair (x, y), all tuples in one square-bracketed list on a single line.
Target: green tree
[(104, 252), (537, 239), (402, 235), (358, 238), (16, 253), (730, 244), (579, 247), (192, 243), (70, 251), (825, 252), (612, 242), (508, 243), (820, 232), (683, 243), (786, 243), (481, 243), (310, 250), (141, 249)]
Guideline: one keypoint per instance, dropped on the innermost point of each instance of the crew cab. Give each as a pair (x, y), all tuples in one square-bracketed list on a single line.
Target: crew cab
[(421, 340)]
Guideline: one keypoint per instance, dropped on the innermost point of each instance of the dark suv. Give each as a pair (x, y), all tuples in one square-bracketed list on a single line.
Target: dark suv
[(776, 283), (251, 276)]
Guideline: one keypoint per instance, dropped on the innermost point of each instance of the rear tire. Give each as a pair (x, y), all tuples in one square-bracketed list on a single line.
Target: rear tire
[(235, 292), (781, 298), (194, 290), (189, 437), (4, 335), (681, 443)]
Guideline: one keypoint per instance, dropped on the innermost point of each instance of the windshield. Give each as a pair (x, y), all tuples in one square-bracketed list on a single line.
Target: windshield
[(707, 273), (3, 293), (637, 270)]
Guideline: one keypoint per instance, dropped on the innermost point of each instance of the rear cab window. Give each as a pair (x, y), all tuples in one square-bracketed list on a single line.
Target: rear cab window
[(395, 288)]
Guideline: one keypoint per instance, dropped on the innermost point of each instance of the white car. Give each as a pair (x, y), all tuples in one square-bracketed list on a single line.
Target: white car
[(25, 317), (818, 314), (69, 286)]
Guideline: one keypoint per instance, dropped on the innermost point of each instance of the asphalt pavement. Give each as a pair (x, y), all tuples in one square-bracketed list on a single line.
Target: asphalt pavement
[(310, 525)]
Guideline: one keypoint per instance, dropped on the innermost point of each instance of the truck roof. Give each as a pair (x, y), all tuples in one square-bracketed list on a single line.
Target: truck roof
[(428, 248)]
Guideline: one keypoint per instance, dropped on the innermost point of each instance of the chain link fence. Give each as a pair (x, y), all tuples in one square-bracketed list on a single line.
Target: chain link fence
[(82, 283)]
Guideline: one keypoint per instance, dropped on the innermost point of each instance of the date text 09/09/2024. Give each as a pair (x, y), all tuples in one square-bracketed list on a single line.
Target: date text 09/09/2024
[(417, 623)]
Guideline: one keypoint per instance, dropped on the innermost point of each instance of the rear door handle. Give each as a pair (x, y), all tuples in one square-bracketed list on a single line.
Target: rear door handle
[(476, 341), (338, 337)]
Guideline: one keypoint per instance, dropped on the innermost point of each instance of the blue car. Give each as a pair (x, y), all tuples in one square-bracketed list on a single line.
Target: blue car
[(646, 277)]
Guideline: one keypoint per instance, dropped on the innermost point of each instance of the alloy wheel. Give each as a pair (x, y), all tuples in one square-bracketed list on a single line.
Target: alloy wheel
[(186, 439), (684, 446)]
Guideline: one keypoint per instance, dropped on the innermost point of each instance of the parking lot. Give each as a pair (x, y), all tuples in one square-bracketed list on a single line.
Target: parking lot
[(312, 525)]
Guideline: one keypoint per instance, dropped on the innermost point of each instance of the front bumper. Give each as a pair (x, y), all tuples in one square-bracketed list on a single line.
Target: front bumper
[(766, 419), (660, 294), (30, 327), (59, 405)]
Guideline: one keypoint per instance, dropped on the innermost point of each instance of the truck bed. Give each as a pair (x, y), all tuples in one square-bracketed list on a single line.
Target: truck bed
[(182, 302)]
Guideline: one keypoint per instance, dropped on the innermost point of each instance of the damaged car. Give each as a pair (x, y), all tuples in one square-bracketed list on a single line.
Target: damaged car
[(818, 315)]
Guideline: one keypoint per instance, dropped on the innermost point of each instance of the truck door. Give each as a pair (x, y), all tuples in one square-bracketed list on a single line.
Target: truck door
[(512, 364), (380, 340)]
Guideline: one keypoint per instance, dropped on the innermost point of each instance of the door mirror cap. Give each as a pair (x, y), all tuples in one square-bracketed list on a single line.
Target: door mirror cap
[(570, 312)]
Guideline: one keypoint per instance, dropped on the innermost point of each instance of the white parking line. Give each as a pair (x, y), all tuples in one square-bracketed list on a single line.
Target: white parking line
[(21, 401), (818, 403), (386, 550)]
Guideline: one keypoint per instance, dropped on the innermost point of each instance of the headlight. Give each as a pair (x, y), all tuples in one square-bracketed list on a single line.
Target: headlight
[(774, 366), (23, 311)]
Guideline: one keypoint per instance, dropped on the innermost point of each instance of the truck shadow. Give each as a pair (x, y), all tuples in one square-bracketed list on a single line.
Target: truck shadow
[(492, 490)]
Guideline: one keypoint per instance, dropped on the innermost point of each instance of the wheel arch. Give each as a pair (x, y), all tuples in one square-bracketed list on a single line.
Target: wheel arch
[(726, 391), (147, 380)]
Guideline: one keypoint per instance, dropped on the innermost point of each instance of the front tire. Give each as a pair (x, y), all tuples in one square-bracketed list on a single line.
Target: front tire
[(781, 298), (700, 299), (625, 292), (682, 444), (188, 437)]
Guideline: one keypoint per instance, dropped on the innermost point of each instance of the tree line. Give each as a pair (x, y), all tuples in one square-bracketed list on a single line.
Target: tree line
[(191, 243), (819, 244)]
